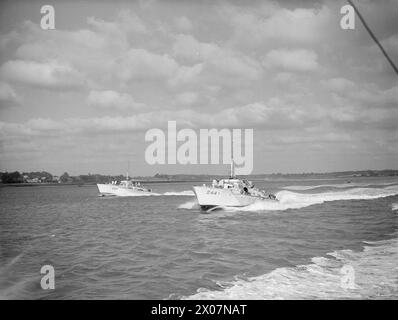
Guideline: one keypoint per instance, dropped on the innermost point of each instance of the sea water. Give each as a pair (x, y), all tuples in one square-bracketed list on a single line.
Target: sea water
[(164, 247)]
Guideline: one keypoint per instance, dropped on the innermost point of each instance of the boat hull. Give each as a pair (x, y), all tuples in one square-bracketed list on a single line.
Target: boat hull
[(115, 190), (209, 197)]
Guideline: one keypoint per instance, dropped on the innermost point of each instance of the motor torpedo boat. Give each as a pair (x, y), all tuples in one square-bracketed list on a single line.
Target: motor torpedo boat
[(123, 188), (230, 192)]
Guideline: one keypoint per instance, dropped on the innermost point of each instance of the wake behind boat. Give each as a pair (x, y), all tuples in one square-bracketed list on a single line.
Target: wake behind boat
[(231, 192)]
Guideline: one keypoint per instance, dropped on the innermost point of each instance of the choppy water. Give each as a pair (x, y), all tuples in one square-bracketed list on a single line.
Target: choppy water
[(162, 247)]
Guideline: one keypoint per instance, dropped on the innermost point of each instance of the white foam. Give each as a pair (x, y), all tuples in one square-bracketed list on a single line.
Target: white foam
[(8, 288), (152, 194), (341, 185), (11, 263), (179, 193), (303, 188), (293, 200), (128, 195), (375, 273), (189, 205), (18, 290), (394, 206)]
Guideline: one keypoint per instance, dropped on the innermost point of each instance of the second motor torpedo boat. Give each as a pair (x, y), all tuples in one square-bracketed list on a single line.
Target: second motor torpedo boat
[(123, 188)]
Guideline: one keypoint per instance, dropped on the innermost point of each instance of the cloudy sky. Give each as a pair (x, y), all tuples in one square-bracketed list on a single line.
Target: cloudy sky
[(81, 97)]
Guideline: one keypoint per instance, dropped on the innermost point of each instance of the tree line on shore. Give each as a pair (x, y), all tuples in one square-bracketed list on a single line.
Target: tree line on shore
[(46, 177)]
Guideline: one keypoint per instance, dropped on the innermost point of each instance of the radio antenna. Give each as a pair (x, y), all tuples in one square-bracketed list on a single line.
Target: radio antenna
[(373, 36)]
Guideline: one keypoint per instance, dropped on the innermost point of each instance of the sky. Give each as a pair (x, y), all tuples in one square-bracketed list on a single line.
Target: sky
[(81, 97)]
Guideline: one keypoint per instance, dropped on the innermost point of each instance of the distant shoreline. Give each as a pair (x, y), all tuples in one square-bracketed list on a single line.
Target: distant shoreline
[(44, 184), (267, 178)]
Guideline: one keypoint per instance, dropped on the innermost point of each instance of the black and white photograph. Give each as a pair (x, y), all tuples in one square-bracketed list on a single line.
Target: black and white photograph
[(198, 150)]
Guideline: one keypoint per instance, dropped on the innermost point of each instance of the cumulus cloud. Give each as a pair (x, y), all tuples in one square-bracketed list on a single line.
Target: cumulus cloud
[(338, 84), (217, 62), (48, 75), (185, 75), (347, 94), (110, 99), (140, 64), (43, 125), (187, 98), (188, 47), (271, 22), (233, 65), (183, 24), (283, 68), (294, 60), (276, 113), (283, 77), (127, 22), (8, 94)]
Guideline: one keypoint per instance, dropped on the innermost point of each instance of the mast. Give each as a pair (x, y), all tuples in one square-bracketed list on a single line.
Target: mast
[(232, 158), (128, 168), (232, 168)]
